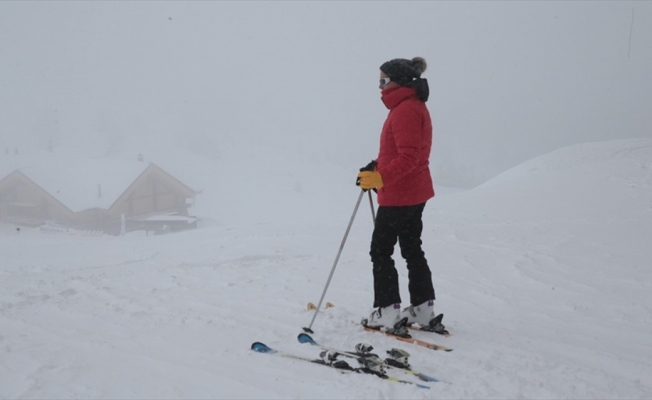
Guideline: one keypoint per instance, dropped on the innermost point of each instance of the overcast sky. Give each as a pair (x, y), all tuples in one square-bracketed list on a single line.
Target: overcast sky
[(509, 80)]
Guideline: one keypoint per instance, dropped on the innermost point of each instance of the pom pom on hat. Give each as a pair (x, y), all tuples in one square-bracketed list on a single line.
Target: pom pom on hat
[(420, 64)]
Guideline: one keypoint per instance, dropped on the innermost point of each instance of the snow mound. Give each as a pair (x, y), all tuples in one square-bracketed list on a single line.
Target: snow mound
[(588, 181), (588, 157)]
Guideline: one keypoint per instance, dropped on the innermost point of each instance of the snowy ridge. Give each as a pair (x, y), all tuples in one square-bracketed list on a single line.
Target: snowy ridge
[(593, 181), (586, 157), (543, 276)]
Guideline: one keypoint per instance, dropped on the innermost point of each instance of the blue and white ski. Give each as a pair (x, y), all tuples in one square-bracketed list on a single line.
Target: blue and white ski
[(398, 358), (329, 359)]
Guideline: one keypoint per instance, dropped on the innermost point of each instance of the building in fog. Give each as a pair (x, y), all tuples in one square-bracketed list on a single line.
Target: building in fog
[(98, 195)]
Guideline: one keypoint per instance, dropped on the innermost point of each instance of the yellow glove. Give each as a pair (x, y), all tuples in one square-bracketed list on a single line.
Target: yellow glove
[(370, 180)]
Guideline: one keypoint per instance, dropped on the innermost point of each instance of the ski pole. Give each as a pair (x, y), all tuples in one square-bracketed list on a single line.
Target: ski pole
[(337, 258), (373, 212)]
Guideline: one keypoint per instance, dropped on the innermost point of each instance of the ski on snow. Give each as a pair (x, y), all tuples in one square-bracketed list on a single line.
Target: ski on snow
[(400, 332), (397, 358), (434, 326), (329, 359)]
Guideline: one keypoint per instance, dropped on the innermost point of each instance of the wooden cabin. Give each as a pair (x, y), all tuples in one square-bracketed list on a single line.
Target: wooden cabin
[(109, 196), (24, 202)]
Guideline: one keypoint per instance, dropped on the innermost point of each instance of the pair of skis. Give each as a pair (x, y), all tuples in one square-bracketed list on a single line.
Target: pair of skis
[(368, 362), (409, 339), (397, 358), (400, 330)]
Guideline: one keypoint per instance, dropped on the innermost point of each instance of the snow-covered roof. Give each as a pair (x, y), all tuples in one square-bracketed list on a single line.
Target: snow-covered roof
[(85, 183)]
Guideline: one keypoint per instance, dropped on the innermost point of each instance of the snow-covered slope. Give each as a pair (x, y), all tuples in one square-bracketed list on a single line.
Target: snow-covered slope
[(543, 275), (588, 180)]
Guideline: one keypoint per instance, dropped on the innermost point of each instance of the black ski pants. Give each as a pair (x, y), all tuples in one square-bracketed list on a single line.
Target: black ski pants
[(405, 225)]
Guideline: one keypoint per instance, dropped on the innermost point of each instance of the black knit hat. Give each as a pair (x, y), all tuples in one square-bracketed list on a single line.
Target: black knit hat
[(408, 73), (403, 71)]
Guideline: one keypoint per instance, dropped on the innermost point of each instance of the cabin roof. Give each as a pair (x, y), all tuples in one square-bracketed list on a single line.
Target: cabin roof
[(86, 184)]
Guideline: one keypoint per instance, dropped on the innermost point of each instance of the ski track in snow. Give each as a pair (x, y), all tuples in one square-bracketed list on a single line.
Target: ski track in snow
[(540, 307)]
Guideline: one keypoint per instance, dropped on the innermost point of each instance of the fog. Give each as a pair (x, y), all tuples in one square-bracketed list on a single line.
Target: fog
[(509, 80)]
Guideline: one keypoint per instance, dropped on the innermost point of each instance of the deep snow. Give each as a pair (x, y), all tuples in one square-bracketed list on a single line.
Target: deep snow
[(543, 275)]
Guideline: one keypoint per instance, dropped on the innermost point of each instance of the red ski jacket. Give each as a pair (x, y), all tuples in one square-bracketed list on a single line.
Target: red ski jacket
[(405, 143)]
